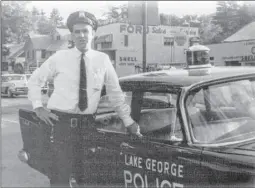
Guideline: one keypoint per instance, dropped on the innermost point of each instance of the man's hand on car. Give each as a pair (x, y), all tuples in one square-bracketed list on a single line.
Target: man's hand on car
[(45, 115), (134, 129)]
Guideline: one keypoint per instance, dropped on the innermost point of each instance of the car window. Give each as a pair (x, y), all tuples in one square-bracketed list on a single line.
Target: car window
[(158, 117), (107, 118)]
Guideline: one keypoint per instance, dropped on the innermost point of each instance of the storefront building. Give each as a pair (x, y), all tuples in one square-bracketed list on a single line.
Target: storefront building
[(165, 45), (237, 50)]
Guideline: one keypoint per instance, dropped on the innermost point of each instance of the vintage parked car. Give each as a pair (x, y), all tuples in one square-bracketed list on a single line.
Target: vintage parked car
[(14, 84), (198, 126)]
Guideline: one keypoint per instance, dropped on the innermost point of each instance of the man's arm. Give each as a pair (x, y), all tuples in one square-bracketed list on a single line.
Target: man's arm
[(115, 94), (117, 99), (39, 77)]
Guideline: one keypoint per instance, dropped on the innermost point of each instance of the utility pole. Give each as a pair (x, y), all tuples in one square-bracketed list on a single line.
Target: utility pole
[(144, 34)]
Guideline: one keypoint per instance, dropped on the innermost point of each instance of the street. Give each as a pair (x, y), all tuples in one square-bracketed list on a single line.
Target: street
[(14, 172)]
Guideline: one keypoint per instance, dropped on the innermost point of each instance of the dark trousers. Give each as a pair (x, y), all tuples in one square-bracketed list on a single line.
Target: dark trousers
[(72, 136)]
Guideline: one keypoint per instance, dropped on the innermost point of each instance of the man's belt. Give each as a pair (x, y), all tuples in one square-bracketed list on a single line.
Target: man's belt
[(75, 118)]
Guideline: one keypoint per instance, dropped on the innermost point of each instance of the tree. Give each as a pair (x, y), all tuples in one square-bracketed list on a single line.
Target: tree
[(16, 21), (42, 13), (35, 11), (55, 18), (231, 17), (172, 20), (116, 12), (44, 26), (210, 33)]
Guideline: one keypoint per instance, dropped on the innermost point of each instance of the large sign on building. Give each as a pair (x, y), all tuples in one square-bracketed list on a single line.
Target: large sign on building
[(165, 45), (138, 29)]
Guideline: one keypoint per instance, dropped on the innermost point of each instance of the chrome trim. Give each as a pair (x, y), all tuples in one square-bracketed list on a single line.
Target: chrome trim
[(222, 144), (23, 156), (184, 116)]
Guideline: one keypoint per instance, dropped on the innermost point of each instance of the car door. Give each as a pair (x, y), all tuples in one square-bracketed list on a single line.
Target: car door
[(36, 142), (150, 162), (99, 160), (161, 158), (110, 130)]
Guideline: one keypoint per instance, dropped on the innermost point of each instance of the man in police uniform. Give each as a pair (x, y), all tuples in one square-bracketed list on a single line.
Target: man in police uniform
[(79, 74)]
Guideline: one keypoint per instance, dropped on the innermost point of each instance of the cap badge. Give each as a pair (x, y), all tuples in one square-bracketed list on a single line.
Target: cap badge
[(81, 15)]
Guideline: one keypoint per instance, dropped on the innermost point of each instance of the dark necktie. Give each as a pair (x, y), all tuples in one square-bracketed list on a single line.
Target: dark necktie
[(83, 104)]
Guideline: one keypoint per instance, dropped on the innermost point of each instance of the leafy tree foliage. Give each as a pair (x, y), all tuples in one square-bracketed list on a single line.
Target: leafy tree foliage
[(16, 22), (232, 16), (55, 18), (116, 12)]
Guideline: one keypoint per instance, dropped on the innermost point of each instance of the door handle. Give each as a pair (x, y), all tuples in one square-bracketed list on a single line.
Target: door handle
[(125, 145)]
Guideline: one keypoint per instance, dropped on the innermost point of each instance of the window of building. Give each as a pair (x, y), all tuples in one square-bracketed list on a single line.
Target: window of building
[(106, 45), (43, 53), (232, 63), (58, 37), (168, 41), (125, 40), (211, 58), (4, 66)]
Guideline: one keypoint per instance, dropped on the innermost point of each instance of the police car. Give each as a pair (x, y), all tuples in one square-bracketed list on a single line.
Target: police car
[(198, 126)]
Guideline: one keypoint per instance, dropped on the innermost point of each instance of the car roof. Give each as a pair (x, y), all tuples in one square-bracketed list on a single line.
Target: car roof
[(181, 77)]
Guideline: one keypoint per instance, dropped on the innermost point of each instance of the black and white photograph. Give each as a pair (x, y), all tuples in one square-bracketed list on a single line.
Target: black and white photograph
[(128, 94)]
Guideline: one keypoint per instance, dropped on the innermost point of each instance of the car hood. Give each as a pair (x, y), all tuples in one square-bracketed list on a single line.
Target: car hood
[(236, 158), (246, 148)]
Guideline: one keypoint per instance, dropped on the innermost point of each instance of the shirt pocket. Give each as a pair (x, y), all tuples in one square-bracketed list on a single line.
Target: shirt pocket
[(98, 79)]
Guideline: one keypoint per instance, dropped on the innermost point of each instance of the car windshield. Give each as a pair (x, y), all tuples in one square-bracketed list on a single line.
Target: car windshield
[(222, 113), (10, 78)]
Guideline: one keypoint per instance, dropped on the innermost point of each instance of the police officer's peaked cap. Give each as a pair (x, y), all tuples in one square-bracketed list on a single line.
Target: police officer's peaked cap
[(81, 17)]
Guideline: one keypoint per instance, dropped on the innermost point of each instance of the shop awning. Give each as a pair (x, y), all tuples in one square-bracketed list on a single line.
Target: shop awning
[(104, 38)]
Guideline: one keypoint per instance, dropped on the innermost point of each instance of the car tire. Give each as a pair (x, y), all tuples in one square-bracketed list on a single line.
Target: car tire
[(10, 94)]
